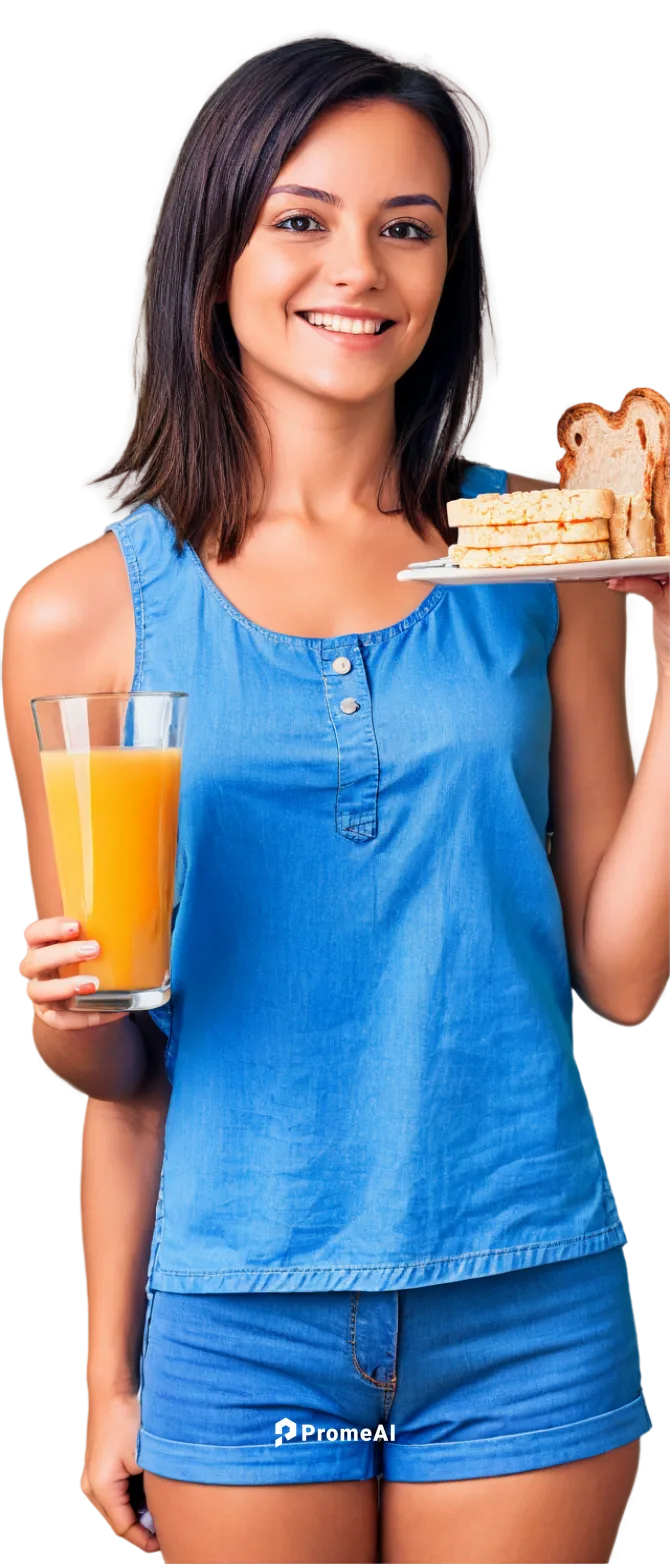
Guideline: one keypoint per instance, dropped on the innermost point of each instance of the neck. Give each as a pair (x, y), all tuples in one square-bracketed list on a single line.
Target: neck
[(322, 459)]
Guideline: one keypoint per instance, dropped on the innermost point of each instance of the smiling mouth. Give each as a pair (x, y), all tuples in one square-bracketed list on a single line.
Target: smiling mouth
[(346, 326)]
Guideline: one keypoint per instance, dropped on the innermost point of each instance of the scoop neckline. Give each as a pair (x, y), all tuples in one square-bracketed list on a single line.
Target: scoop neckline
[(364, 637)]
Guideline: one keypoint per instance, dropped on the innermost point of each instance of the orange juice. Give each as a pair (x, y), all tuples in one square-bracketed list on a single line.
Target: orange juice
[(113, 815)]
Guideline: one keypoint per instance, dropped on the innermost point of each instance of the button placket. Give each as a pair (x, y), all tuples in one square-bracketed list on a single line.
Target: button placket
[(350, 708)]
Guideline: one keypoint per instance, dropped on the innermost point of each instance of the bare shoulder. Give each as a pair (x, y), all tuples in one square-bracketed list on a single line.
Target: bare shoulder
[(74, 621), (70, 631)]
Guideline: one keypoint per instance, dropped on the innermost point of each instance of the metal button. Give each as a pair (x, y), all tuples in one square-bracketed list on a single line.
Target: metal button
[(349, 705), (341, 665)]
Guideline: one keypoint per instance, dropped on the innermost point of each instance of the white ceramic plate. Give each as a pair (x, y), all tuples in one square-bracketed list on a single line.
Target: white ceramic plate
[(443, 573)]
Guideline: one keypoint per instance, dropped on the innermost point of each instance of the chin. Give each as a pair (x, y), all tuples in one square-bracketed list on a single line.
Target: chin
[(346, 387)]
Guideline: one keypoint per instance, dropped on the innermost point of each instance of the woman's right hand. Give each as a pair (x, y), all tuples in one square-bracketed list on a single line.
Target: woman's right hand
[(113, 1422), (53, 943)]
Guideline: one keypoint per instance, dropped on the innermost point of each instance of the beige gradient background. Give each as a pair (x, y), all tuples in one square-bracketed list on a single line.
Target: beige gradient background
[(569, 125)]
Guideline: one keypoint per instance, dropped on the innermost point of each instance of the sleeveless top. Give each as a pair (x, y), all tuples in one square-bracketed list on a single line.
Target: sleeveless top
[(370, 1033)]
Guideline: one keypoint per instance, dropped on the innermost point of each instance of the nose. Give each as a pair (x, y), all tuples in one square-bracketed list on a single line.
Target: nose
[(354, 261)]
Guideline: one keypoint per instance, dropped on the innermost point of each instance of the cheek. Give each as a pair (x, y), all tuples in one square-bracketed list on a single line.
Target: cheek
[(429, 289), (264, 281), (424, 282)]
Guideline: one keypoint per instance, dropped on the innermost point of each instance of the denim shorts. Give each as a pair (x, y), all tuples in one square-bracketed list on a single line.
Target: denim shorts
[(498, 1374)]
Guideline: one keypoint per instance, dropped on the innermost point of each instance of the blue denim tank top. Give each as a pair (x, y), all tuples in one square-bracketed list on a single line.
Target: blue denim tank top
[(370, 1033)]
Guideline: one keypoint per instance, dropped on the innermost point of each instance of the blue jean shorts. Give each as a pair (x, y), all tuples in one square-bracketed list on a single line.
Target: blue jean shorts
[(475, 1378)]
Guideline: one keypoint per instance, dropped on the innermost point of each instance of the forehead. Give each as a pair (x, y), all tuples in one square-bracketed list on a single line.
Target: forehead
[(373, 148)]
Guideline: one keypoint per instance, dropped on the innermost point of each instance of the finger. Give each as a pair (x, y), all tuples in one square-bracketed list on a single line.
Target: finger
[(46, 991), (45, 929), (141, 1538), (45, 958), (108, 1498), (122, 1525), (642, 586)]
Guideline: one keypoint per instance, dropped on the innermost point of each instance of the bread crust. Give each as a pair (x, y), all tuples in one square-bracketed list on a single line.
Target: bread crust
[(656, 478)]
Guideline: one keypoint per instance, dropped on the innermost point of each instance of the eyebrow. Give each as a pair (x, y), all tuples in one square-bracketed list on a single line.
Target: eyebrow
[(334, 200)]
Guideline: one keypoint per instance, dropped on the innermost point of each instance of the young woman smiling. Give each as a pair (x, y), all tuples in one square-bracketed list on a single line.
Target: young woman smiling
[(381, 1203)]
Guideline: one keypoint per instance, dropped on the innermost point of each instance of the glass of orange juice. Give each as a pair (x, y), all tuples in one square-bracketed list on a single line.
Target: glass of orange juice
[(112, 768)]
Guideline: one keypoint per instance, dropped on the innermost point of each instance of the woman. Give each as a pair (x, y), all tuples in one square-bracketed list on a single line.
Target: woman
[(384, 1238)]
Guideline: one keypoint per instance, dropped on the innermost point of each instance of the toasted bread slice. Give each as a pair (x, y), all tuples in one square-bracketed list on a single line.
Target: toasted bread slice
[(631, 527), (628, 450), (535, 532), (534, 554), (520, 508)]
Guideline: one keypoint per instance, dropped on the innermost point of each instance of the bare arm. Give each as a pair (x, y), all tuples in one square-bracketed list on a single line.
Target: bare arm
[(70, 630), (122, 1155), (611, 844)]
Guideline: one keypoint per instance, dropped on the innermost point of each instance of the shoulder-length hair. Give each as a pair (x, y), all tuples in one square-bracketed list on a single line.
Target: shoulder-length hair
[(192, 448)]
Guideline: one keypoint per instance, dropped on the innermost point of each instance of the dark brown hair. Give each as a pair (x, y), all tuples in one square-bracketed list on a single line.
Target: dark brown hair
[(192, 449)]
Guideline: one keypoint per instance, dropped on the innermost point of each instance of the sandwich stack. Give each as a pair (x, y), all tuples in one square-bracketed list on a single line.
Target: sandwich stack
[(538, 527)]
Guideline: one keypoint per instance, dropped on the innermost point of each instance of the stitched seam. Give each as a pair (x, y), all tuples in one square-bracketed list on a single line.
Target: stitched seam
[(337, 743), (368, 637), (379, 1384), (364, 827), (389, 1396), (376, 747), (145, 1339), (473, 1254)]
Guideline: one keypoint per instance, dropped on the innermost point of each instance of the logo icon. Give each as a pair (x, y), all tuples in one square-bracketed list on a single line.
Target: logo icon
[(287, 1424)]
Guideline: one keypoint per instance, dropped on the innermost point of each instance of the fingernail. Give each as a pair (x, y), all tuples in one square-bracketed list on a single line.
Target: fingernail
[(71, 928), (89, 947), (88, 986)]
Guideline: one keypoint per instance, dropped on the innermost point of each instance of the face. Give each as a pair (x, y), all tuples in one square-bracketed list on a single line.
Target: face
[(362, 245)]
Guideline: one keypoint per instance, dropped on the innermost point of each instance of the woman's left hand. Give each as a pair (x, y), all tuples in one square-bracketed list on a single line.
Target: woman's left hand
[(656, 589)]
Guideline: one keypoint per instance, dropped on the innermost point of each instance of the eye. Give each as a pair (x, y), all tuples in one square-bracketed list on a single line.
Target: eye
[(422, 229), (296, 217), (401, 229)]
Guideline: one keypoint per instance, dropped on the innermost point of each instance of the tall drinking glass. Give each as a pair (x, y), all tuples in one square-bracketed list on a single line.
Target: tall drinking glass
[(112, 769)]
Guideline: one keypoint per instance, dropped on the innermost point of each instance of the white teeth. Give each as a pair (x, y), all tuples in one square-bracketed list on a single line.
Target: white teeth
[(345, 323)]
